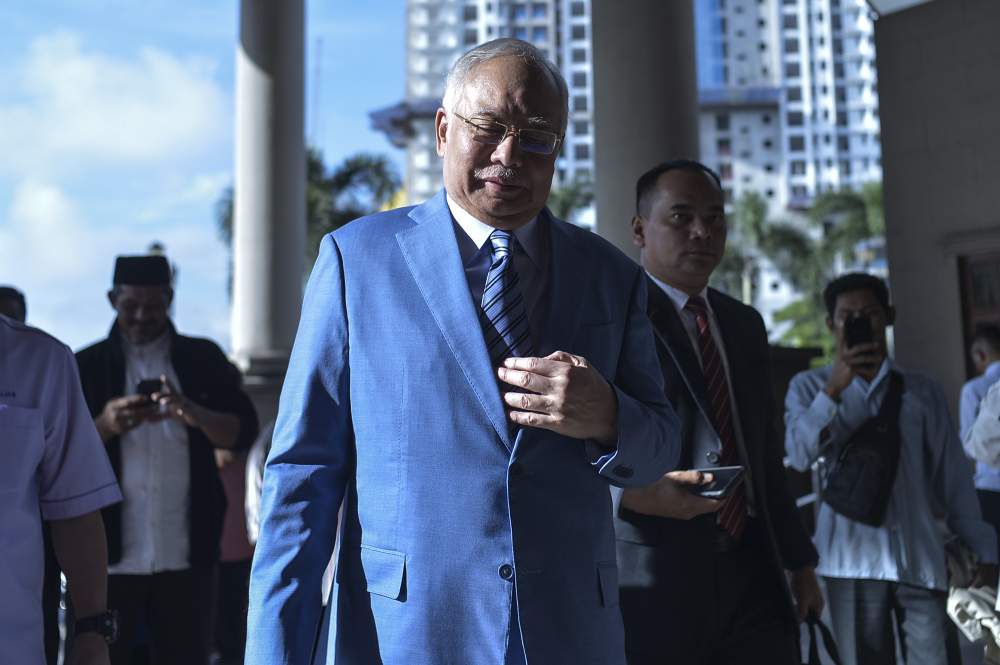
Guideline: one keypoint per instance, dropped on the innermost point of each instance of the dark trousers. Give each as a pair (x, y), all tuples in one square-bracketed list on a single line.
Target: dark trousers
[(231, 611), (722, 608), (51, 593), (864, 614), (173, 606), (989, 502)]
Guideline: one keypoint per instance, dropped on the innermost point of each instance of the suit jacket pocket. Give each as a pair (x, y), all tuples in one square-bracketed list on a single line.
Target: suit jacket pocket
[(385, 572), (607, 579)]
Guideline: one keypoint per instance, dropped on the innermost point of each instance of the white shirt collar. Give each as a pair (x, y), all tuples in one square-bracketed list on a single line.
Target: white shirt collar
[(678, 297), (479, 232)]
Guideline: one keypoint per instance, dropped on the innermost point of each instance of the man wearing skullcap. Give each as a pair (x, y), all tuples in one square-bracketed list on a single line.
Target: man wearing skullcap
[(162, 402)]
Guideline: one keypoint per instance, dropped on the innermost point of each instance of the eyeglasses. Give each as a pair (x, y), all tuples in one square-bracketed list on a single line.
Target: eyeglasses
[(491, 132)]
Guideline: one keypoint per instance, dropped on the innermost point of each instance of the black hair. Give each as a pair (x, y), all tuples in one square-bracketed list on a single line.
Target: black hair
[(855, 281), (647, 181), (988, 334), (10, 293)]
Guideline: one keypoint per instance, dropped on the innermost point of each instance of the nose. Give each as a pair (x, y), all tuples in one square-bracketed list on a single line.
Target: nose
[(700, 228), (507, 152)]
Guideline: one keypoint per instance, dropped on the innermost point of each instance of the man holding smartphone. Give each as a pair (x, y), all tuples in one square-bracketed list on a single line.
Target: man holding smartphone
[(892, 572), (162, 402), (703, 579)]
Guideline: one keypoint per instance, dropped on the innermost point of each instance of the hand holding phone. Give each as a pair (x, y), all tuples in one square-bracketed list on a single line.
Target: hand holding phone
[(725, 479)]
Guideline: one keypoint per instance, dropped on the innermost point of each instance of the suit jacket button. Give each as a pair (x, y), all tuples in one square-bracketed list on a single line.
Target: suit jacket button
[(623, 471), (506, 572), (712, 457)]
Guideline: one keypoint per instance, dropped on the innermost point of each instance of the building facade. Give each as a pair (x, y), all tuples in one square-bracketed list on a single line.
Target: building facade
[(439, 31)]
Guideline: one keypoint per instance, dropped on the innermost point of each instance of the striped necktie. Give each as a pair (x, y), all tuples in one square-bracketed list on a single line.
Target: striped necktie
[(733, 514), (502, 314)]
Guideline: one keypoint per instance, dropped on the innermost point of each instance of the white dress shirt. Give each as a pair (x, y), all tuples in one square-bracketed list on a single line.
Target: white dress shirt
[(707, 448), (982, 438), (155, 476)]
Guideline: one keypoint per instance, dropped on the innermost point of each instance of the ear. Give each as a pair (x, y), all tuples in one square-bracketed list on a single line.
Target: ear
[(111, 298), (441, 130), (638, 232), (829, 325)]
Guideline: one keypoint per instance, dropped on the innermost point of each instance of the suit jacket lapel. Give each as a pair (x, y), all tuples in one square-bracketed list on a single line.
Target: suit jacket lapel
[(673, 335), (568, 282), (431, 253)]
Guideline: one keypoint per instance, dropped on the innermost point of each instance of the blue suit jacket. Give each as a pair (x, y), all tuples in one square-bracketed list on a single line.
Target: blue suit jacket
[(390, 405)]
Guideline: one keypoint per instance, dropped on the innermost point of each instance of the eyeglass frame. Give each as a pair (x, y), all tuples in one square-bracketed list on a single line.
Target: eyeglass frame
[(511, 130)]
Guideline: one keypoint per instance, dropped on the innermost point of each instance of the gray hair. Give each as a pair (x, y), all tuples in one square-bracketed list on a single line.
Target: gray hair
[(499, 48)]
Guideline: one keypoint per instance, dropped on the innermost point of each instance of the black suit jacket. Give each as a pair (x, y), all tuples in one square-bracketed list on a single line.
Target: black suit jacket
[(208, 379), (661, 555)]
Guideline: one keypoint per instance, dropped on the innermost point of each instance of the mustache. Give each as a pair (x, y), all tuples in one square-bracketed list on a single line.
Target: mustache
[(496, 171)]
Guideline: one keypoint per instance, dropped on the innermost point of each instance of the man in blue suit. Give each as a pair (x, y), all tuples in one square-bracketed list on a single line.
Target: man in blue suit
[(469, 376)]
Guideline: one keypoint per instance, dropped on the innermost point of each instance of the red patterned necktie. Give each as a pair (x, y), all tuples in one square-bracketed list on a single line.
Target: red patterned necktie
[(733, 514)]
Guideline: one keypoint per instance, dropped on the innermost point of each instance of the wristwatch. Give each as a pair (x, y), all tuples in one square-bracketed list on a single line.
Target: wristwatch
[(104, 624)]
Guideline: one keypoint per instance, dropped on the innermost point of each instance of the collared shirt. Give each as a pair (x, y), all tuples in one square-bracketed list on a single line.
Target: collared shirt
[(155, 476), (531, 261), (987, 477), (53, 467), (707, 446), (933, 473), (982, 440)]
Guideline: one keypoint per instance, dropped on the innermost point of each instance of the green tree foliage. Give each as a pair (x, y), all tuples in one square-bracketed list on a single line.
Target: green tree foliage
[(805, 254), (566, 201), (360, 185)]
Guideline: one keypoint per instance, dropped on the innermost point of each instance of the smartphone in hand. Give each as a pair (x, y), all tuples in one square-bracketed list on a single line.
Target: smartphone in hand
[(725, 479)]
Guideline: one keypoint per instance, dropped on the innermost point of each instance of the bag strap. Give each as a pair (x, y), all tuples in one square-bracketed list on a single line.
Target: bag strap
[(828, 642), (892, 404)]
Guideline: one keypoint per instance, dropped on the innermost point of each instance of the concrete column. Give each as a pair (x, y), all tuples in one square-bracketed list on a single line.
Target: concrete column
[(645, 101), (269, 208)]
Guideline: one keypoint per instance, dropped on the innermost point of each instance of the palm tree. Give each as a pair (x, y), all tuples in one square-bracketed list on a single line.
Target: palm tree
[(571, 198), (360, 185)]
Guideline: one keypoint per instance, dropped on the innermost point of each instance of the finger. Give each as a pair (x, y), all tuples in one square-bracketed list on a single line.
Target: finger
[(563, 356), (527, 402), (533, 419), (168, 386), (129, 400), (525, 379), (543, 366), (690, 477)]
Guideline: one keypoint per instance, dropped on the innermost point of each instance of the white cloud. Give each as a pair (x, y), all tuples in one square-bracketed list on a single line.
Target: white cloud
[(72, 107), (63, 262)]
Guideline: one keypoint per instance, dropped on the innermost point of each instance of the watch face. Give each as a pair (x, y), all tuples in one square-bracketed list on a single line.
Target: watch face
[(110, 631)]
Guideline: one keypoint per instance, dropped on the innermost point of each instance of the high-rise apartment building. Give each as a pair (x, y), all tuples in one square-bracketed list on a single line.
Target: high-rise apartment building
[(799, 77), (439, 31)]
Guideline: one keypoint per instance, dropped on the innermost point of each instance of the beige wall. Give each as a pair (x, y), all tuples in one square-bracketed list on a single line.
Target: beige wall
[(939, 89)]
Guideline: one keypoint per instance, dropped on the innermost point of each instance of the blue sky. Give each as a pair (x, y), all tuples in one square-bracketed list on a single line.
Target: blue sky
[(116, 129)]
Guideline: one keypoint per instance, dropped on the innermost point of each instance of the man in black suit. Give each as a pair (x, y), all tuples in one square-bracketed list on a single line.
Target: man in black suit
[(703, 580)]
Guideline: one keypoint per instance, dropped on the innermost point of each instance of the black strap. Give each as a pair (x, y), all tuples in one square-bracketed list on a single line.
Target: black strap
[(829, 643)]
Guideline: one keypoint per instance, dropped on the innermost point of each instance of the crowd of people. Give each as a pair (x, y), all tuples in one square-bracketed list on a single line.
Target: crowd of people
[(522, 446)]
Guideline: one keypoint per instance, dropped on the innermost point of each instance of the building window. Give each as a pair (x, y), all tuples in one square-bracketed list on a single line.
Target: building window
[(724, 147), (722, 122), (843, 144), (797, 167), (579, 55), (766, 119), (842, 118), (471, 37), (796, 143), (581, 127), (795, 119), (539, 10), (770, 193), (520, 32), (791, 45), (577, 9), (580, 103), (579, 79), (578, 32), (789, 21), (726, 171), (470, 13), (845, 168), (520, 11), (794, 94), (581, 151), (769, 168), (539, 34), (792, 70), (768, 144)]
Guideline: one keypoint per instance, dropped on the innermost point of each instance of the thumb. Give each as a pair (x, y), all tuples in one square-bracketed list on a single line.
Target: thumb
[(690, 477), (563, 356)]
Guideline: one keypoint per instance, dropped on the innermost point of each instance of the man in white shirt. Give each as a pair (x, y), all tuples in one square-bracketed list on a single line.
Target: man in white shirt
[(53, 469), (162, 402)]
